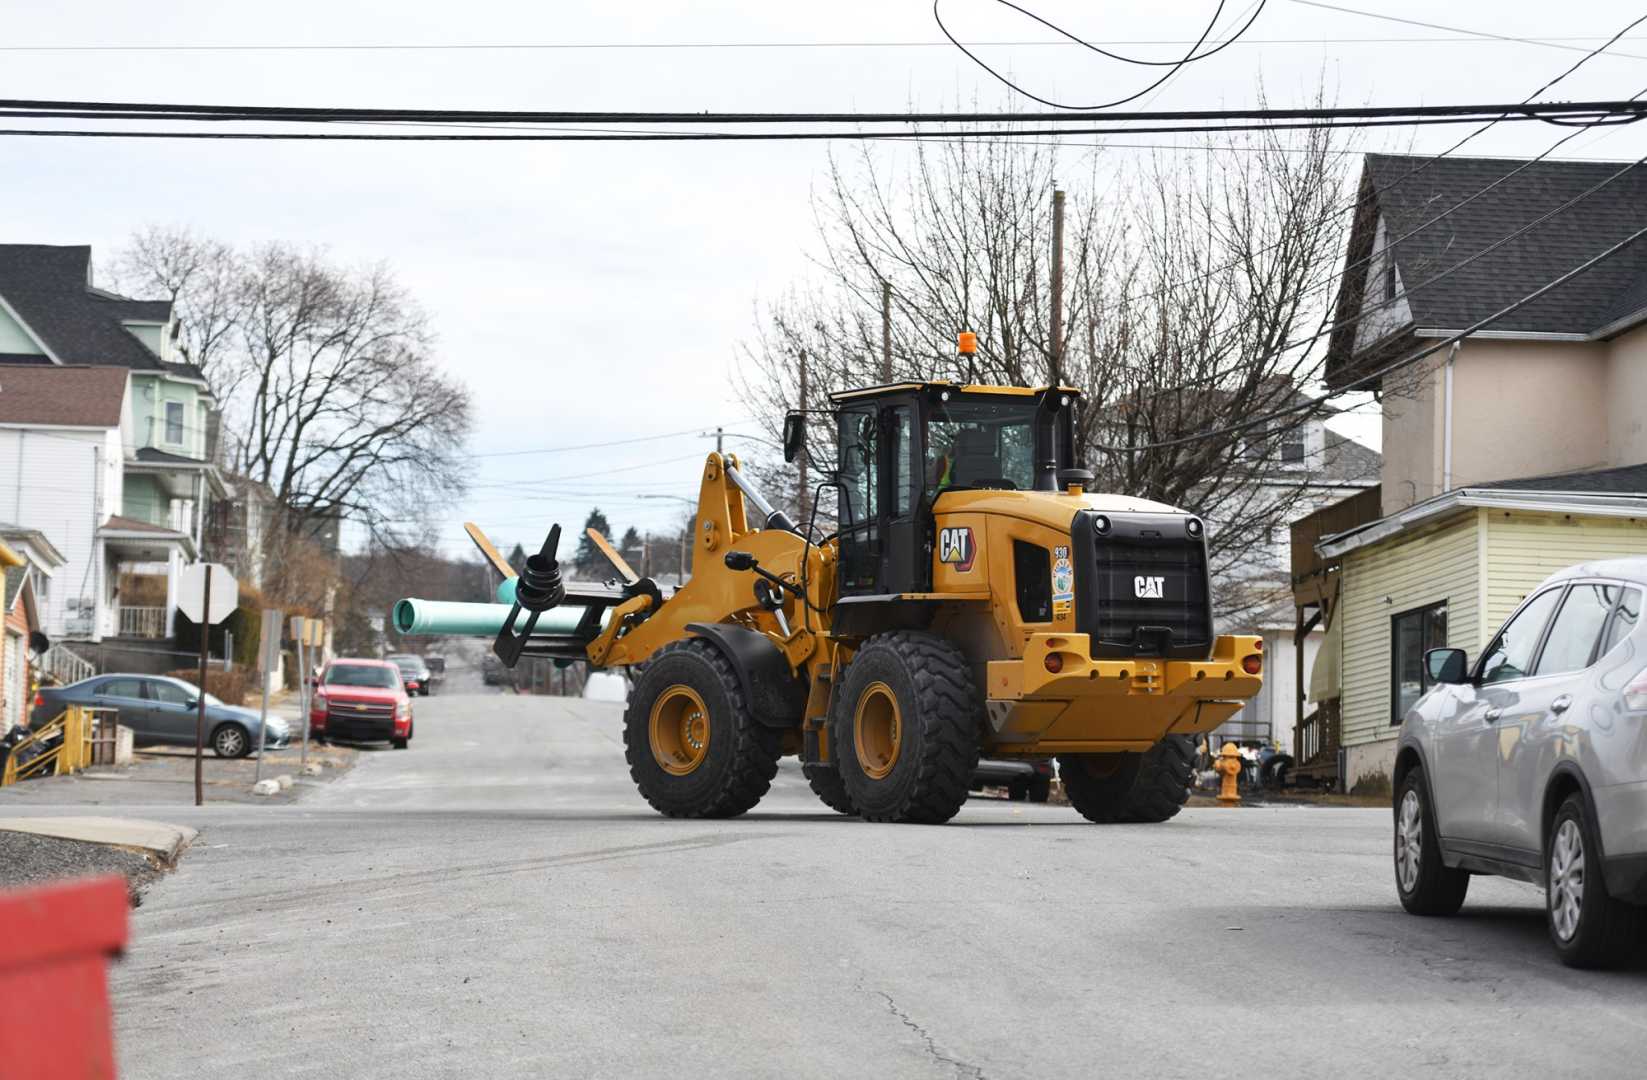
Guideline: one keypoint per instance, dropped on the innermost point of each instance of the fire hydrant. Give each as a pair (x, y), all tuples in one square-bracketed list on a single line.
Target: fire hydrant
[(1228, 766)]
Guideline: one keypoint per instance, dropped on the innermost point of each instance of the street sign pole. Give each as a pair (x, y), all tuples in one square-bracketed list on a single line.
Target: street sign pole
[(269, 642), (200, 717)]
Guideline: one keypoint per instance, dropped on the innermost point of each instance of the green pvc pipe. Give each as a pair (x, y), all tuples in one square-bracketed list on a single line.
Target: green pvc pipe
[(413, 616)]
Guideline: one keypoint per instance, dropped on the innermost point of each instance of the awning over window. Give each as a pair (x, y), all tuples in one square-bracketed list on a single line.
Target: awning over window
[(1326, 672)]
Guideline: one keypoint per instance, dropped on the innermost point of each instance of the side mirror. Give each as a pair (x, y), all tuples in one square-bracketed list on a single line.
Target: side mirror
[(794, 435), (1446, 665)]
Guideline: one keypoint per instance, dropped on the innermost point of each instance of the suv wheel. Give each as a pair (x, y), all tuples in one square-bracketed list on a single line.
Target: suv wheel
[(1588, 927), (1426, 885)]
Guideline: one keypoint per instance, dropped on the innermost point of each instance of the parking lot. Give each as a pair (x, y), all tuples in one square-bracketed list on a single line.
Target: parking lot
[(497, 902)]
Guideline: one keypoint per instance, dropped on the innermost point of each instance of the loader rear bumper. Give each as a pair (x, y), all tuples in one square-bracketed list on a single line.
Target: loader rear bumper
[(1058, 699)]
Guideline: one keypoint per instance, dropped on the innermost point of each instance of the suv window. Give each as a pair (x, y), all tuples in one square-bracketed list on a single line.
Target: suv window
[(1625, 620), (1511, 654), (1577, 626), (132, 688)]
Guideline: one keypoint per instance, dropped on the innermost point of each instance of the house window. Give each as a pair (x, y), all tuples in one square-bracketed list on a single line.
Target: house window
[(1411, 634), (1292, 447), (174, 422)]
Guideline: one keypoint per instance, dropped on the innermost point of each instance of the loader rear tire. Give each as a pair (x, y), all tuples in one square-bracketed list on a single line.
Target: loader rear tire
[(826, 784), (695, 749), (1124, 788), (905, 729)]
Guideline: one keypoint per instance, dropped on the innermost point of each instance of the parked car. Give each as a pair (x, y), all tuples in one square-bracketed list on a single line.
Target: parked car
[(1532, 764), (160, 709), (414, 673), (360, 700), (437, 668), (1024, 780)]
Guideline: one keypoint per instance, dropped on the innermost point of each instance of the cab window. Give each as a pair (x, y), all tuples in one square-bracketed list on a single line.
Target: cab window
[(1511, 653), (980, 444), (1577, 627)]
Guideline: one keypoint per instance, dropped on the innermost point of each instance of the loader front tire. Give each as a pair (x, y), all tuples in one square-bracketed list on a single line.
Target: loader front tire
[(826, 784), (695, 749), (1120, 788), (905, 730)]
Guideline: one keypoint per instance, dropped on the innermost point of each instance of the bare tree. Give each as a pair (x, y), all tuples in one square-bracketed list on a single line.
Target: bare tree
[(1192, 286), (324, 374)]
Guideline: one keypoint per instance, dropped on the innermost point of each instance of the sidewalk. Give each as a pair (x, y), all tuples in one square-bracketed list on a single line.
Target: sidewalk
[(164, 776)]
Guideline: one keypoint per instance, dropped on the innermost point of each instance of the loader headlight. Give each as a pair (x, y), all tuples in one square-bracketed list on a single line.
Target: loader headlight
[(1101, 525), (1193, 527)]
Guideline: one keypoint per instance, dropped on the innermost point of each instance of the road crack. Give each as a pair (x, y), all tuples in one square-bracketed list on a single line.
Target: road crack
[(962, 1068)]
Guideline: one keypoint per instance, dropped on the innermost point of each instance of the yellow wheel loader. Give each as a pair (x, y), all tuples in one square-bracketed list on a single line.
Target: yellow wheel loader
[(974, 600)]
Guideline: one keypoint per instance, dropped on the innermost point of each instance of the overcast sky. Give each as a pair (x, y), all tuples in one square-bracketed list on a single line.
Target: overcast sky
[(590, 293)]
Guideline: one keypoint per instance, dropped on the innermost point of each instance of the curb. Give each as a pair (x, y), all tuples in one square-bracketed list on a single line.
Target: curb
[(165, 842)]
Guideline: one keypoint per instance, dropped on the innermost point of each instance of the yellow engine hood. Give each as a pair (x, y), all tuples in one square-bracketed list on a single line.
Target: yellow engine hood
[(1054, 509)]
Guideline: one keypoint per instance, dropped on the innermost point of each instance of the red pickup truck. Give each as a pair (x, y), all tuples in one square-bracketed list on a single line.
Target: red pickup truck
[(361, 701)]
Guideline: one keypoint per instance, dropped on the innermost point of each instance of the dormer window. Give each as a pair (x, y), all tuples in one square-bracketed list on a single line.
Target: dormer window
[(1389, 274)]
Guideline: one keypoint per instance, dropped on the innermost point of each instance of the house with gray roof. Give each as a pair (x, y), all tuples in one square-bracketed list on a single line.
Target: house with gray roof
[(107, 436), (1513, 452)]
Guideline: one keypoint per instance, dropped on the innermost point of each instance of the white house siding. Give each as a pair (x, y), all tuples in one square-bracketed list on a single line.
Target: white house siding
[(1525, 548), (64, 482), (1440, 564)]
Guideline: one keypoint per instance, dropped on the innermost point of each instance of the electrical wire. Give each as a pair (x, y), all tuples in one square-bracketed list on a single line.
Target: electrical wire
[(1189, 59), (1451, 29), (1174, 66)]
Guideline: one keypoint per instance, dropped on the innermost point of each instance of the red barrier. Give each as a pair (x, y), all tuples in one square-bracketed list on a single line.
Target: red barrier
[(55, 1021)]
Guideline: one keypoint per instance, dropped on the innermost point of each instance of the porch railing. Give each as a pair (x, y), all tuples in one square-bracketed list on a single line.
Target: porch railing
[(1315, 740), (66, 665), (143, 622)]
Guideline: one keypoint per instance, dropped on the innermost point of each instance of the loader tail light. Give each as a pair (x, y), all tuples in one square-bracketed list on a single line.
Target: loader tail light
[(39, 700), (1055, 663), (1253, 664)]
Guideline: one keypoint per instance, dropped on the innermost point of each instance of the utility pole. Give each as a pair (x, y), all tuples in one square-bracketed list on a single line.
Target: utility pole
[(1057, 342), (886, 331), (804, 490)]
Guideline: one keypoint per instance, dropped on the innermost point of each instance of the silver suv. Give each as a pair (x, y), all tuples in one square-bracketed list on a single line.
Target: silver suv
[(1533, 764)]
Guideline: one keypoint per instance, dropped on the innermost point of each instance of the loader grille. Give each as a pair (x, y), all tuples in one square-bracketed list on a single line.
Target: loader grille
[(1141, 585)]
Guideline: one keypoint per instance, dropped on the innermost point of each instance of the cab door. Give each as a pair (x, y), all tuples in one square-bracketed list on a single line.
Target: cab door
[(883, 538)]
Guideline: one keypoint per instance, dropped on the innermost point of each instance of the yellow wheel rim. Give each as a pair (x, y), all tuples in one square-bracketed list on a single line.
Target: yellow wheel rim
[(877, 730), (679, 730)]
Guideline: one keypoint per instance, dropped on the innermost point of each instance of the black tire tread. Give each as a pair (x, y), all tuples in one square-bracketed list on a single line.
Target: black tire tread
[(1610, 930), (949, 707), (1441, 889), (827, 785), (1159, 789), (755, 748)]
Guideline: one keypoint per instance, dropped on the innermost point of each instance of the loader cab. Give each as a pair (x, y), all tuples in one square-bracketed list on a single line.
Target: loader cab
[(901, 446)]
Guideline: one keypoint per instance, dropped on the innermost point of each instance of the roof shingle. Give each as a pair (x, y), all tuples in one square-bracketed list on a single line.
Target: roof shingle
[(63, 396), (49, 286)]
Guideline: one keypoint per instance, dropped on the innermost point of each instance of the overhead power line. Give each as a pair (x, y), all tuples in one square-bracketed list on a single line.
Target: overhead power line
[(1451, 29), (1173, 66), (128, 110), (1461, 37)]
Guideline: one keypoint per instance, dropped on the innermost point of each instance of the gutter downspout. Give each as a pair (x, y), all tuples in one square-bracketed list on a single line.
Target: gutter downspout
[(1447, 418)]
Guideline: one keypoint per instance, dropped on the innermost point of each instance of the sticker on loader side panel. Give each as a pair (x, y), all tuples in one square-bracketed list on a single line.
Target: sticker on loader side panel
[(1063, 582), (955, 546)]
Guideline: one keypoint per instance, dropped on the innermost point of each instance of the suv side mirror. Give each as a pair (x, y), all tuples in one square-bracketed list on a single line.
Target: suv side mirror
[(794, 435), (1446, 665)]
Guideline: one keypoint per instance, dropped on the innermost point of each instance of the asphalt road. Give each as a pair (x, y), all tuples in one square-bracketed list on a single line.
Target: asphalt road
[(497, 902)]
